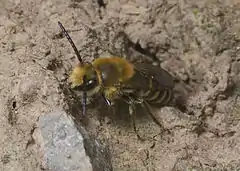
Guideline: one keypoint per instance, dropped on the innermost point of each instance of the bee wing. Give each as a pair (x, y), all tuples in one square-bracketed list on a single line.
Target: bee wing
[(144, 72), (160, 75)]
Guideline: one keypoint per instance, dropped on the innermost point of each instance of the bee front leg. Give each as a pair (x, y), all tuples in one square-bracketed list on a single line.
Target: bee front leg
[(109, 104)]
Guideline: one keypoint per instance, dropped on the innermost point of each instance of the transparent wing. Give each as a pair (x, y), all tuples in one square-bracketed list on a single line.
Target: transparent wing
[(145, 72), (157, 73)]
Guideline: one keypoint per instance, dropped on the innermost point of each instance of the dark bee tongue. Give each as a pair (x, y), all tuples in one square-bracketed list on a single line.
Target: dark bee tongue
[(84, 98)]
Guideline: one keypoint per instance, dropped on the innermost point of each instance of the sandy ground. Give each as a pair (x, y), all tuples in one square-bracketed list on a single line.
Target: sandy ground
[(198, 41)]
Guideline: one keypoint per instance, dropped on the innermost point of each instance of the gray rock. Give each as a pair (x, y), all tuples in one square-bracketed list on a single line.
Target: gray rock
[(68, 147)]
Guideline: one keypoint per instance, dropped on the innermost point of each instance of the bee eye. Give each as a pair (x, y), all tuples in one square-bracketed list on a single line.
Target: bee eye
[(88, 85), (91, 83)]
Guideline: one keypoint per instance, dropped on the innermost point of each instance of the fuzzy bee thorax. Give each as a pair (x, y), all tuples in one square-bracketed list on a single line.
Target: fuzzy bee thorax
[(114, 68)]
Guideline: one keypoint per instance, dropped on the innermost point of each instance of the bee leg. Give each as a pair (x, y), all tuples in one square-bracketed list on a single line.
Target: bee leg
[(159, 121), (112, 109), (109, 104), (132, 112)]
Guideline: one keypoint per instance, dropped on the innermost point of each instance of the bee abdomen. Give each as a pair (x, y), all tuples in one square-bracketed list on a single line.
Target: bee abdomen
[(161, 97)]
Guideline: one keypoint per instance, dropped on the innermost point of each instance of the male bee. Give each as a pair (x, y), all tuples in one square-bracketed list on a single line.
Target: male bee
[(116, 78)]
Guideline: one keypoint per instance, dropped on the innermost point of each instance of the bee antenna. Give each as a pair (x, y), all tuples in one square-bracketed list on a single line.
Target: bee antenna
[(70, 41)]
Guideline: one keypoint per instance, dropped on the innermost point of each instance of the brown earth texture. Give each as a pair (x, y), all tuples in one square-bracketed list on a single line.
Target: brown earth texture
[(196, 41)]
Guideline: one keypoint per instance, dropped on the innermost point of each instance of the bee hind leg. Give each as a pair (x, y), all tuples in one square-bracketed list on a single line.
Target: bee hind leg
[(132, 112), (159, 121)]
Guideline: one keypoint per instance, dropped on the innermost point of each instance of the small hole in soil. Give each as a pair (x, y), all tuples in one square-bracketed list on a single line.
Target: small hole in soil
[(101, 3), (54, 64), (14, 104), (58, 36)]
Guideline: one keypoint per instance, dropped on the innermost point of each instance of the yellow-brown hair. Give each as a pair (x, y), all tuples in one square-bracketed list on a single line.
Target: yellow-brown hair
[(125, 68)]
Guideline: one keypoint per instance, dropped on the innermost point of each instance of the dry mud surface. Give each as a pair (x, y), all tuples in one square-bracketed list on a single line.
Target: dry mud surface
[(197, 41)]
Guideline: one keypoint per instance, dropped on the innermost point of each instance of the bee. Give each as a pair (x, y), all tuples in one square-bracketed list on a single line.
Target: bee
[(116, 78)]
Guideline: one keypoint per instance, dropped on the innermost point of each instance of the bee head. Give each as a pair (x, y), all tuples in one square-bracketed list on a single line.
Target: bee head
[(84, 77)]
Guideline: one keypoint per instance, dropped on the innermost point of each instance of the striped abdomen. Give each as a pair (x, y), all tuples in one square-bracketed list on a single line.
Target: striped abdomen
[(150, 91), (154, 86), (150, 84), (159, 97)]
